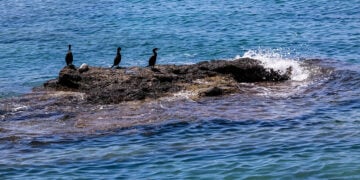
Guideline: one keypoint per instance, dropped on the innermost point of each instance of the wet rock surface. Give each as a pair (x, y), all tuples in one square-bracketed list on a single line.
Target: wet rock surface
[(209, 78)]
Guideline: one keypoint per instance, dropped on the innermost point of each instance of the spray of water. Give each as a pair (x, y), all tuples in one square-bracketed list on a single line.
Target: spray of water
[(275, 60)]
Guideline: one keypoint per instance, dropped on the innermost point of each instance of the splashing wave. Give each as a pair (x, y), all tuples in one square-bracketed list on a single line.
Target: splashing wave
[(276, 61)]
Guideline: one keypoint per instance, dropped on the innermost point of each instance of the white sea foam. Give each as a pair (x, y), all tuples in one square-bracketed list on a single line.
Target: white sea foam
[(276, 61), (184, 94), (20, 108)]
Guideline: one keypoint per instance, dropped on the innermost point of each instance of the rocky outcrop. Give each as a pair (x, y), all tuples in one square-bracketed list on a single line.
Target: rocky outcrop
[(209, 78)]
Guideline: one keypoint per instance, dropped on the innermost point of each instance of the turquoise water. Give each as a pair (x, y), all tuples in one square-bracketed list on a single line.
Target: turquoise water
[(307, 127)]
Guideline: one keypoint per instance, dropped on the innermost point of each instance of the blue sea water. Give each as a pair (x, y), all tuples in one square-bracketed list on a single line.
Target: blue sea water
[(307, 127)]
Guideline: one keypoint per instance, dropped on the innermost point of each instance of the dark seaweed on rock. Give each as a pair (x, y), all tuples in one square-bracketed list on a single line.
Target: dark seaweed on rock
[(209, 78)]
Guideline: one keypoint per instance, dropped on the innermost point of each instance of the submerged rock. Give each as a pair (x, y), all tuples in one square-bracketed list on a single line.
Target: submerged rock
[(209, 78)]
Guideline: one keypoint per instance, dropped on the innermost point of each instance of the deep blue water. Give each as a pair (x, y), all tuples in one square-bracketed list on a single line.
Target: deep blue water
[(307, 127)]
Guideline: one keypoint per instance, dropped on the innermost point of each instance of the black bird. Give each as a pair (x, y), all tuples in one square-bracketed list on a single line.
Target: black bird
[(117, 58), (69, 57), (152, 59)]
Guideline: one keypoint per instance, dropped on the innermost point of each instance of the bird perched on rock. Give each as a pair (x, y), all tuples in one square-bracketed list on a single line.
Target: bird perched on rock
[(69, 57), (117, 58), (152, 59)]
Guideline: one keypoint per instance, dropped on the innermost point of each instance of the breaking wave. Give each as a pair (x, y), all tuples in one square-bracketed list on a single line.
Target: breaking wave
[(275, 60)]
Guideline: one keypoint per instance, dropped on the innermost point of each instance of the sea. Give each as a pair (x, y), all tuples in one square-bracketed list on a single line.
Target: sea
[(305, 128)]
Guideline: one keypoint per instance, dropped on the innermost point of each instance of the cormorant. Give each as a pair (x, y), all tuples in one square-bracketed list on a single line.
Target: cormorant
[(152, 59), (117, 58), (69, 57)]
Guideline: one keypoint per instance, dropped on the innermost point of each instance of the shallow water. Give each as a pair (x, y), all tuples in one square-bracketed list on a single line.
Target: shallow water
[(306, 127)]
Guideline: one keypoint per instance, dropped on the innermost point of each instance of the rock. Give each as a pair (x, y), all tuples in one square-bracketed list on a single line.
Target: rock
[(209, 78), (215, 91), (83, 68)]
